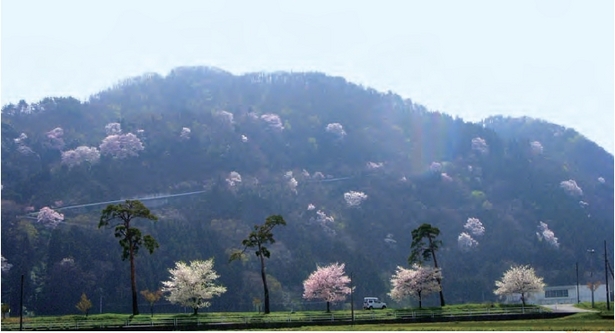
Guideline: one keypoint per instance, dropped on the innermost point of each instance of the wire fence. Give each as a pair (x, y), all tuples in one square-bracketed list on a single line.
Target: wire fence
[(232, 320)]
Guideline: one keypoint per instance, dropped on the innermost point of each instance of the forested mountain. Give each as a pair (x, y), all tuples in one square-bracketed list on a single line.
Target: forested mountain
[(352, 170)]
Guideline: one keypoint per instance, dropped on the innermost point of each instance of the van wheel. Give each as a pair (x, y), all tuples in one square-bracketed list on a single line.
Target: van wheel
[(384, 307), (371, 308)]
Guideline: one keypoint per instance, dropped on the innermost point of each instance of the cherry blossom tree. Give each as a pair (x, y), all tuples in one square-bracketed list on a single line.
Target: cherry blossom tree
[(193, 285), (22, 148), (244, 138), (374, 165), (55, 139), (571, 187), (292, 183), (21, 139), (354, 198), (418, 282), (121, 146), (322, 218), (466, 242), (49, 217), (318, 175), (225, 117), (113, 129), (337, 129), (519, 280), (80, 155), (273, 120), (547, 234), (323, 221), (480, 145), (475, 226), (233, 178), (5, 264), (311, 207), (601, 180), (536, 147), (327, 283), (435, 167), (445, 177), (185, 134)]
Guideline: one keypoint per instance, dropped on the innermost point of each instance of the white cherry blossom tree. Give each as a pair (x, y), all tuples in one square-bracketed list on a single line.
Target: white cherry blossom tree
[(337, 129), (5, 265), (185, 134), (570, 186), (193, 285), (113, 129), (354, 198), (418, 282), (546, 234), (475, 226), (273, 120), (466, 242), (480, 145), (233, 178), (80, 155), (536, 147), (519, 280)]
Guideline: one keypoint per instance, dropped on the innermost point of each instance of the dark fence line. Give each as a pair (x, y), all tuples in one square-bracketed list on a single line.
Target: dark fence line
[(282, 320)]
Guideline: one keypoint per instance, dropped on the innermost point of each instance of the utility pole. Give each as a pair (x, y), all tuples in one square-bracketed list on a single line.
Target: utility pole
[(578, 297), (351, 300), (21, 306), (606, 277), (591, 273)]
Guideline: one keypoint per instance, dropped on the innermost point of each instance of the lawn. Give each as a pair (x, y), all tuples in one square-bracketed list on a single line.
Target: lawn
[(576, 322)]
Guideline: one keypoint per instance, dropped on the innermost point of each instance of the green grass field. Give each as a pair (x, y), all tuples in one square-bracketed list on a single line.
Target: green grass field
[(598, 306), (576, 322), (579, 322)]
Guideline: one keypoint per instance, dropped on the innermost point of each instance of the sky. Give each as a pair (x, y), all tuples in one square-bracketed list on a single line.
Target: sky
[(547, 59)]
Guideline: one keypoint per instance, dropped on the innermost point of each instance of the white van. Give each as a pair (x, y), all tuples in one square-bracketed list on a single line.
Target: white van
[(370, 303)]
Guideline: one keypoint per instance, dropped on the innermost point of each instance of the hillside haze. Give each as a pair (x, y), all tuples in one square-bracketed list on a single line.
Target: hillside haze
[(352, 170)]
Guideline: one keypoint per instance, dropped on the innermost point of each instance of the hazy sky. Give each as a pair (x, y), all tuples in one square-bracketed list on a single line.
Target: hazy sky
[(546, 59)]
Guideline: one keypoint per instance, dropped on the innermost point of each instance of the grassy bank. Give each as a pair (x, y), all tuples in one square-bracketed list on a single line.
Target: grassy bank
[(576, 322), (598, 306), (111, 320)]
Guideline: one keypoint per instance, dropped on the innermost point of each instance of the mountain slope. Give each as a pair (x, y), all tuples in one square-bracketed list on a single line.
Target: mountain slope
[(223, 152)]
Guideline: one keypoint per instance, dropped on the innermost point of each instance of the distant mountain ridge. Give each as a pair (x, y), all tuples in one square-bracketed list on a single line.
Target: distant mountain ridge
[(351, 169)]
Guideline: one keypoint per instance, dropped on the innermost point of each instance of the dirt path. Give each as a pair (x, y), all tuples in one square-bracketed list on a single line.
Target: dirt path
[(566, 308)]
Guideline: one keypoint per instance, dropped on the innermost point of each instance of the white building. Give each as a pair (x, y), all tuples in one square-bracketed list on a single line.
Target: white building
[(564, 295)]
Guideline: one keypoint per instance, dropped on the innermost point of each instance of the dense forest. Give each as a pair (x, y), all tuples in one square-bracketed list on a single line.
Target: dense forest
[(352, 170)]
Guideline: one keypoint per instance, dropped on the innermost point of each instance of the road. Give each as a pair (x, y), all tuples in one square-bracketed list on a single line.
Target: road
[(566, 308)]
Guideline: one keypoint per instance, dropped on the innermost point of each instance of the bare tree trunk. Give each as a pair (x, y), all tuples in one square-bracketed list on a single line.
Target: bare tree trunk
[(328, 309), (264, 277), (420, 301), (435, 263), (133, 281)]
